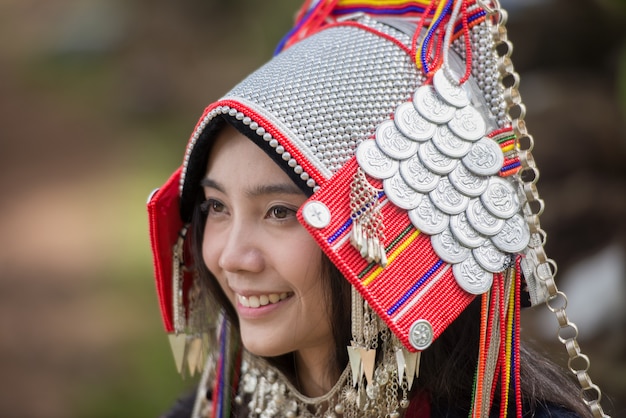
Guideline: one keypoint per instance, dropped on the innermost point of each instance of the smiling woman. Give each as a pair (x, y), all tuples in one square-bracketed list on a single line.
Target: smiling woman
[(266, 263), (361, 235)]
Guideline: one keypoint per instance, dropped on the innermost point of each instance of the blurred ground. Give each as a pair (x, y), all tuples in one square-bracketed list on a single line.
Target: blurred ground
[(97, 98)]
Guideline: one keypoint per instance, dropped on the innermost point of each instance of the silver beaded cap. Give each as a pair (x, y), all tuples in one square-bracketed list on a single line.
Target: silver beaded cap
[(325, 94)]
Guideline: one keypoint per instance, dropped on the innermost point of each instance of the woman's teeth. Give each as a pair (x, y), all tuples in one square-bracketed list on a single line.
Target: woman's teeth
[(261, 300)]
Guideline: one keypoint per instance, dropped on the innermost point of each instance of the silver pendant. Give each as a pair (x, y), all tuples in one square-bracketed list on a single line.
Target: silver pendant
[(464, 232), (453, 94), (417, 176), (428, 219), (447, 199), (480, 218), (400, 194), (514, 236), (431, 106), (471, 277), (374, 162), (391, 141), (468, 124), (500, 198), (466, 182), (490, 258), (434, 160), (450, 144), (485, 158), (448, 248), (412, 124)]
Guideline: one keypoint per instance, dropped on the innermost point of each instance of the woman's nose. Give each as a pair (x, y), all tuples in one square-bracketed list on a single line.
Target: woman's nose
[(241, 250)]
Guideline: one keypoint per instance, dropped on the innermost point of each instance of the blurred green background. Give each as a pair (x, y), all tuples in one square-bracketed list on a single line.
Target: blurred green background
[(97, 99)]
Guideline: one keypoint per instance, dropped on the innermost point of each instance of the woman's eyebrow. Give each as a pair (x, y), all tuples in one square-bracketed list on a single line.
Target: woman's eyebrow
[(210, 183), (277, 188), (257, 190)]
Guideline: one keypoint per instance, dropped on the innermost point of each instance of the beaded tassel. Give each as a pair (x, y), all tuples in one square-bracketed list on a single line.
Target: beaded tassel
[(367, 222)]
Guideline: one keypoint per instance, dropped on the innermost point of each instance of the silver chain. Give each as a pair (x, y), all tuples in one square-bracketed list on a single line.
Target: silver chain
[(546, 268)]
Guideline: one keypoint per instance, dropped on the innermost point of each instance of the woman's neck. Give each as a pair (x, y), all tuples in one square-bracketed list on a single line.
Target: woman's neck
[(314, 372)]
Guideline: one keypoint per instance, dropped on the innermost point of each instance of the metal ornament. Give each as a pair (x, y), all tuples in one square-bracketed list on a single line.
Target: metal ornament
[(472, 277), (374, 162), (412, 124)]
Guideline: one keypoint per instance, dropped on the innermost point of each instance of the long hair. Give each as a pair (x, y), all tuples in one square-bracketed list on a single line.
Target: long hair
[(447, 366)]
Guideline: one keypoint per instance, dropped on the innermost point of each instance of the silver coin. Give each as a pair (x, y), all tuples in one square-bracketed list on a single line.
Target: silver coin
[(374, 162), (464, 232), (490, 258), (421, 334), (417, 176), (412, 124), (431, 106), (466, 182), (452, 94), (468, 124), (449, 144), (485, 158), (471, 277), (400, 194), (514, 236), (448, 248), (500, 198), (427, 218), (391, 141), (316, 214), (434, 160), (448, 199), (480, 218)]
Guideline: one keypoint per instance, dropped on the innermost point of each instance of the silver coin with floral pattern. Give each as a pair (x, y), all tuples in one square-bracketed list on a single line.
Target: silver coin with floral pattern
[(400, 193), (417, 176), (514, 236), (490, 258), (468, 124), (372, 160), (448, 199), (467, 183), (427, 218), (448, 247), (434, 160), (391, 141), (471, 277), (464, 232), (485, 158), (480, 218), (450, 144), (500, 198), (413, 125), (453, 94), (431, 106)]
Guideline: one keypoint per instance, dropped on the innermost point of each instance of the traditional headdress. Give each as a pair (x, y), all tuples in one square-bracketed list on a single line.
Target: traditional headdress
[(403, 122)]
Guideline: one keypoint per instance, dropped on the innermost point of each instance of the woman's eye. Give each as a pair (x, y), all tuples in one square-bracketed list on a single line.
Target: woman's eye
[(281, 212), (211, 206)]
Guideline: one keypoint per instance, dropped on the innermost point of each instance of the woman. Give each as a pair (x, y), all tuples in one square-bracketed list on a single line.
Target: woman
[(349, 236)]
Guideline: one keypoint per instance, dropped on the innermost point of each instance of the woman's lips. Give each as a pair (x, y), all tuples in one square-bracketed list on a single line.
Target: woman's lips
[(257, 301)]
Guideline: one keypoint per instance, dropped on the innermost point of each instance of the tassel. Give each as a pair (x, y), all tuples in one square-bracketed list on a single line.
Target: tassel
[(367, 221)]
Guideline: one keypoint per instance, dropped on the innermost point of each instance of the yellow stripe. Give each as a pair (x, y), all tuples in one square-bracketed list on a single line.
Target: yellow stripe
[(390, 259), (508, 148)]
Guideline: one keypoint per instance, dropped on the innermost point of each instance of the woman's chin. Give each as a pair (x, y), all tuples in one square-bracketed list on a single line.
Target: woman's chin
[(262, 349)]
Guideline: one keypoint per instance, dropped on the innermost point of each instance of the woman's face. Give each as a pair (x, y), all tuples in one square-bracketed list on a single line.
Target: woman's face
[(265, 261)]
